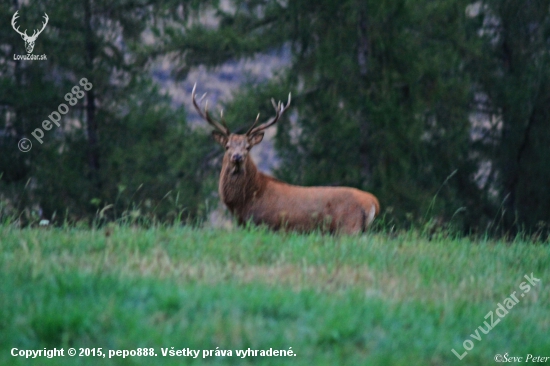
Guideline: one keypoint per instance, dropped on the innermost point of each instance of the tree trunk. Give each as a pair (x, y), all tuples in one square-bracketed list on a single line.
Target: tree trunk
[(93, 147)]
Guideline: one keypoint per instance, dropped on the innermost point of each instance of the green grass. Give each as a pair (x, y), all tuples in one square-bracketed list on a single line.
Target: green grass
[(370, 300)]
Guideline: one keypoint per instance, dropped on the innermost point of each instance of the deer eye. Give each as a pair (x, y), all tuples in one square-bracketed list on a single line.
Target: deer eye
[(227, 147), (248, 147)]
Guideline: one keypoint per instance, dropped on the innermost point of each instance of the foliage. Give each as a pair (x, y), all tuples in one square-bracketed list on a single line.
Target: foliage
[(514, 75), (123, 149)]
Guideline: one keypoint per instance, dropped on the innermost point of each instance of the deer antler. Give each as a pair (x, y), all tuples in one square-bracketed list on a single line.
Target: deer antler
[(24, 34), (15, 16), (279, 109), (34, 34), (223, 129)]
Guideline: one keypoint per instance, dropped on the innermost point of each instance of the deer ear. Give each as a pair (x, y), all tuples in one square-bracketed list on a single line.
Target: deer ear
[(256, 138), (220, 138)]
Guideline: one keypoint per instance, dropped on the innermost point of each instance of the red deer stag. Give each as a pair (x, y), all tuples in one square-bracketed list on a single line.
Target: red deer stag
[(252, 195)]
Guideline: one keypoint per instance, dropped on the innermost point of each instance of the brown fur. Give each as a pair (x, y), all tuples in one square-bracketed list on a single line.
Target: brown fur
[(252, 195)]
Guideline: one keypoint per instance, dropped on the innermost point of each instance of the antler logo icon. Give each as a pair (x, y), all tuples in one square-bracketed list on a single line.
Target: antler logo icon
[(29, 40)]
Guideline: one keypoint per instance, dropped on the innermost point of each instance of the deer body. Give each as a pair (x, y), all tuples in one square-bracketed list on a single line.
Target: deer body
[(254, 196), (251, 195)]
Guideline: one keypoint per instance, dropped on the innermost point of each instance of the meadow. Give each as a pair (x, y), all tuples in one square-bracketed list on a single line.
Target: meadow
[(377, 299)]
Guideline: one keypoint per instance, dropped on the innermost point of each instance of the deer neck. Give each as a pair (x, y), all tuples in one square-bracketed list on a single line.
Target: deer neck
[(238, 187)]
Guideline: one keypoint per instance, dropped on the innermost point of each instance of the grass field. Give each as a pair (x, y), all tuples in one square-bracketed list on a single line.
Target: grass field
[(370, 300)]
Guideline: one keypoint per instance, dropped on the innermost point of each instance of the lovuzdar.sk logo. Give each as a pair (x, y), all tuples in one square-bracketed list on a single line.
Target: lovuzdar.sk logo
[(29, 40)]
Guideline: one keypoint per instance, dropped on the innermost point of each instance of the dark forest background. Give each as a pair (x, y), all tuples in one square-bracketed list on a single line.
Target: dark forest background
[(439, 108)]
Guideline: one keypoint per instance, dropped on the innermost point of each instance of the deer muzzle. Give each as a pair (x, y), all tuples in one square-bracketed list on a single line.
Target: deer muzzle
[(237, 158)]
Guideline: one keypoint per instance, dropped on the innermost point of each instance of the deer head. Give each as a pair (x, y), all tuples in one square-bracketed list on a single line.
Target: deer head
[(237, 146), (29, 40)]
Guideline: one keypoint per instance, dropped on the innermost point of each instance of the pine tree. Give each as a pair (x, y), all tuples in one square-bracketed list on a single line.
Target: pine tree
[(118, 145), (513, 75)]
